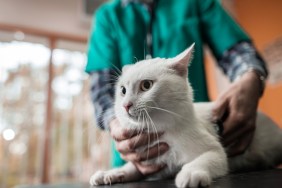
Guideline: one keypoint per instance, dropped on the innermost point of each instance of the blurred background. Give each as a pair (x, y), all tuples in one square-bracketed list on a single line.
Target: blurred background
[(47, 128)]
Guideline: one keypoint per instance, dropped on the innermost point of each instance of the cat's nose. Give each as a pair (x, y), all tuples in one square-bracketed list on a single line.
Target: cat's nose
[(127, 106)]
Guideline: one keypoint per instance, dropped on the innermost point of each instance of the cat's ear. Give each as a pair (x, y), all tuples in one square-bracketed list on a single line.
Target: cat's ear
[(125, 67), (180, 62)]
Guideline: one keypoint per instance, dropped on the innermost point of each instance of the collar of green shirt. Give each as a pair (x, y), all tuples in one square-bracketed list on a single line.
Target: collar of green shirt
[(126, 2)]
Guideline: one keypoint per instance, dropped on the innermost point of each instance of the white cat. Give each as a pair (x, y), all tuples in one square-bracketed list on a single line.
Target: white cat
[(159, 99)]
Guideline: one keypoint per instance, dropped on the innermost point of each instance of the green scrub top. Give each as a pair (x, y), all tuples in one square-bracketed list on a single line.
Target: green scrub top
[(118, 35)]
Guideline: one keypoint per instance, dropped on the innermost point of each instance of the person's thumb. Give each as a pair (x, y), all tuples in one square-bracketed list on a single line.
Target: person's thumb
[(219, 109)]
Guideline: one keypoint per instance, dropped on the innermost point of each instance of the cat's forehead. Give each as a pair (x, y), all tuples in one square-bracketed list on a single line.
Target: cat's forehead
[(145, 69)]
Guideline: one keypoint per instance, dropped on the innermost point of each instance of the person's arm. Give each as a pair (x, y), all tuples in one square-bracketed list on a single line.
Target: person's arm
[(243, 58), (229, 43), (102, 95), (102, 59), (236, 107)]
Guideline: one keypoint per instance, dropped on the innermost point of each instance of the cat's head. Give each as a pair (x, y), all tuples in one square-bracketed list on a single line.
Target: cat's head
[(153, 88)]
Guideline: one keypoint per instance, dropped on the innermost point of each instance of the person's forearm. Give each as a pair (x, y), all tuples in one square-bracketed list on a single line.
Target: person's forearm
[(102, 95), (240, 59)]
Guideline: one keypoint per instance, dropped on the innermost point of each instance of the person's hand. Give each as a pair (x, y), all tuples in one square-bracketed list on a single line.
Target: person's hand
[(237, 108), (128, 141)]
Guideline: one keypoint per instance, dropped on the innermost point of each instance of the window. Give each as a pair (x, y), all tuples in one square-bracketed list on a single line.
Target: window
[(76, 148)]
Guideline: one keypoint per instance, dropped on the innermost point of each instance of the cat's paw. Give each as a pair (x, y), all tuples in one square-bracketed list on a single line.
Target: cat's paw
[(192, 178), (107, 177), (97, 178)]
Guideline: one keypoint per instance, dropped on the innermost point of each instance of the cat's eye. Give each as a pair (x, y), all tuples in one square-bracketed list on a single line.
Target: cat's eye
[(123, 90), (146, 85)]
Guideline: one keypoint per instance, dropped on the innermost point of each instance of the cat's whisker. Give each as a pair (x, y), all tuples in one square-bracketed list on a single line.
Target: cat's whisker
[(155, 129), (143, 123), (110, 84), (169, 100), (181, 100), (139, 131), (177, 92), (136, 59), (148, 132), (115, 76), (112, 79), (115, 73), (98, 138), (116, 69), (170, 112), (149, 139)]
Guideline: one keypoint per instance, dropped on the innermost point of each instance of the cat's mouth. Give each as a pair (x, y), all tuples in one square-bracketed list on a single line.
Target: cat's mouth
[(134, 116), (131, 116)]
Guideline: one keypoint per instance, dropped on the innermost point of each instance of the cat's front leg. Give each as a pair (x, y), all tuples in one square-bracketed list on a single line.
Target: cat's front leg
[(202, 170), (126, 173), (107, 177), (193, 178)]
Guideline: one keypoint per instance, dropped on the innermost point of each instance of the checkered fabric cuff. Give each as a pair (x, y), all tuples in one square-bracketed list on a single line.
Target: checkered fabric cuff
[(240, 59)]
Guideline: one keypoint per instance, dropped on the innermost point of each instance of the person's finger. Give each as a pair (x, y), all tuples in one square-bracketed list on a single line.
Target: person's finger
[(240, 146), (219, 109), (119, 133), (155, 151), (152, 152), (235, 128), (135, 142), (149, 169)]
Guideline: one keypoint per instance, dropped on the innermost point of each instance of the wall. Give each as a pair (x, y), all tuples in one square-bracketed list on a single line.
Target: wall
[(263, 21), (57, 16)]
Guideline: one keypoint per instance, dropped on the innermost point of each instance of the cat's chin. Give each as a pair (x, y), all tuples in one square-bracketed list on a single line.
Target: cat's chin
[(131, 117), (130, 121), (133, 120)]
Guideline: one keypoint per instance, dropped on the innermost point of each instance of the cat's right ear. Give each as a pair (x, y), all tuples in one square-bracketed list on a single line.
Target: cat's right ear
[(181, 61), (125, 67)]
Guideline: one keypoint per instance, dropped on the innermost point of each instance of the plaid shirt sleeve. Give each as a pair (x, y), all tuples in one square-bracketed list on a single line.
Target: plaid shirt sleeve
[(102, 95), (241, 58)]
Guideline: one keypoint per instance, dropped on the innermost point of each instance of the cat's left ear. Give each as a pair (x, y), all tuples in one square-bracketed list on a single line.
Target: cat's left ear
[(181, 61)]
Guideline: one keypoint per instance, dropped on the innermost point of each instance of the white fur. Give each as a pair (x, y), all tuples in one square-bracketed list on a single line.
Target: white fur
[(195, 155)]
